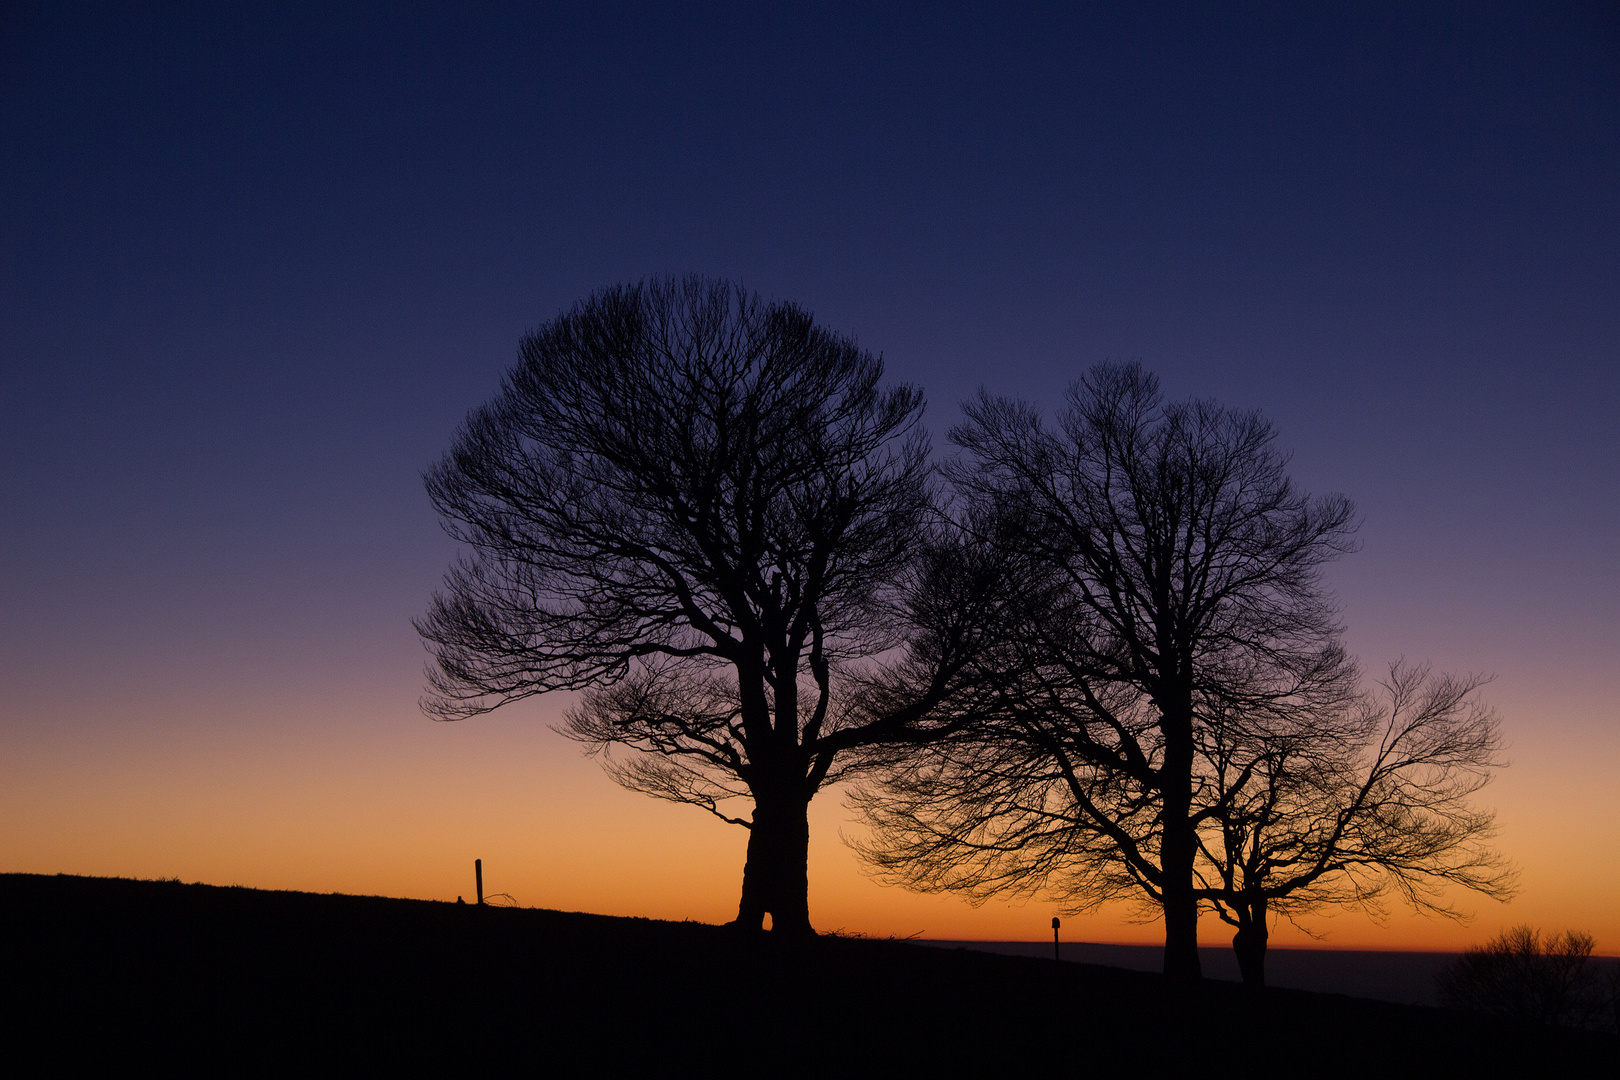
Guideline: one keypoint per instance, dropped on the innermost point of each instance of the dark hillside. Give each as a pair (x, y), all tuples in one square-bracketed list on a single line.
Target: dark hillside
[(1399, 976), (196, 978)]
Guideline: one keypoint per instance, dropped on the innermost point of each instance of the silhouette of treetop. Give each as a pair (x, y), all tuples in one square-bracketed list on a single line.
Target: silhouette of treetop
[(701, 508)]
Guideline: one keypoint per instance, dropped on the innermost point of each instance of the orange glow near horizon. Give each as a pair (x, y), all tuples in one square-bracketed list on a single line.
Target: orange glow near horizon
[(335, 796)]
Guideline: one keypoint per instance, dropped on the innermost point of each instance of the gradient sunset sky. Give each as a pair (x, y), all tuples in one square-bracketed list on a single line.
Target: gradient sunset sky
[(257, 262)]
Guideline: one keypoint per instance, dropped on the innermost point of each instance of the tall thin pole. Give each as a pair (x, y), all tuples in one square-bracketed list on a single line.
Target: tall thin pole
[(478, 872), (1056, 955)]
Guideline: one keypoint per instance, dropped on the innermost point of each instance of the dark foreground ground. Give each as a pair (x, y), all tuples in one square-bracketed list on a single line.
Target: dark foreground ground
[(1406, 977), (131, 975)]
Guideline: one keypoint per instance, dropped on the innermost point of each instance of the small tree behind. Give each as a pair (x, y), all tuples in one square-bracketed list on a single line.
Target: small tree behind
[(1522, 975), (1372, 798)]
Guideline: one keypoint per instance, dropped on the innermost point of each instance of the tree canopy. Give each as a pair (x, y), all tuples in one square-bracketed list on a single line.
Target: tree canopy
[(703, 510), (1170, 713)]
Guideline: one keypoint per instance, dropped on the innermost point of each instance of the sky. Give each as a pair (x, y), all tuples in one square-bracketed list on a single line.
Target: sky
[(257, 262)]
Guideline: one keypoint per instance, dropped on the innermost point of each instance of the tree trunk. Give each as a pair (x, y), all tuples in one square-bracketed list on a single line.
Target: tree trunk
[(1249, 943), (1178, 846), (776, 879), (1180, 930)]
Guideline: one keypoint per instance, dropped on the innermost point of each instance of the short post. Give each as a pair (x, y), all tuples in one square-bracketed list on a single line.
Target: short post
[(1056, 955), (478, 872)]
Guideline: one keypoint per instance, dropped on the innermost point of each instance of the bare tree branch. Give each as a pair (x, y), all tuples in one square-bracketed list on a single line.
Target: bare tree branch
[(700, 509)]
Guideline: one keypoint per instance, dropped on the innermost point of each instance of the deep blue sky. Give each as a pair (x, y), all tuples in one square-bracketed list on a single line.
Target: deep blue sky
[(257, 262)]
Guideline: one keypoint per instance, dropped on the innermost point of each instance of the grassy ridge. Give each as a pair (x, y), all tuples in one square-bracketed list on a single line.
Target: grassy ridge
[(208, 979)]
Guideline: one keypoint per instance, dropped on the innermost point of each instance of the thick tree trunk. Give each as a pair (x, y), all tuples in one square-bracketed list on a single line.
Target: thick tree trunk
[(1249, 943), (776, 879), (1178, 847), (1181, 932)]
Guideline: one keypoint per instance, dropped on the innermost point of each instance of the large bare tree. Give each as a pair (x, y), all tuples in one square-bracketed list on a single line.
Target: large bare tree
[(701, 509), (1170, 579)]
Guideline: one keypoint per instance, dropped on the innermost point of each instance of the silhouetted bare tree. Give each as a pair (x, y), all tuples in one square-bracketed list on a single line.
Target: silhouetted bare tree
[(1521, 975), (701, 509), (1340, 807), (1169, 576)]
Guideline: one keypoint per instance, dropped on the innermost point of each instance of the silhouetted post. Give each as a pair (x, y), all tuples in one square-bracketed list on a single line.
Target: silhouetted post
[(478, 872), (1055, 954)]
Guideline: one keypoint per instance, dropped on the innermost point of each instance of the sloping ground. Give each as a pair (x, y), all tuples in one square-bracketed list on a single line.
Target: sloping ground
[(194, 978)]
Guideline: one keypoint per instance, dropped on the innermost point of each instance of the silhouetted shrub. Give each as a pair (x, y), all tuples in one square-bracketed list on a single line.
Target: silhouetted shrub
[(1521, 975)]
